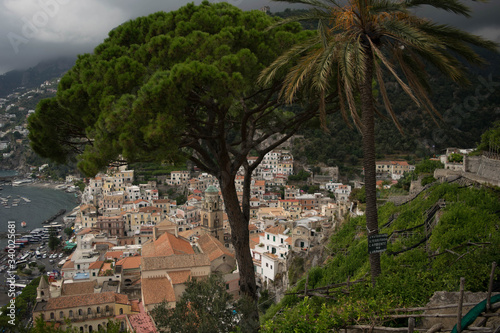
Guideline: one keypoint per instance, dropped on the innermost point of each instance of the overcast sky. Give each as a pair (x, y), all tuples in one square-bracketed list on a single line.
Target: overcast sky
[(36, 30)]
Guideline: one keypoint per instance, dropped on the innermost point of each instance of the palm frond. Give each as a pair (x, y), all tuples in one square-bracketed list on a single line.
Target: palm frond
[(454, 6), (299, 73), (269, 73), (326, 4), (378, 54), (385, 97)]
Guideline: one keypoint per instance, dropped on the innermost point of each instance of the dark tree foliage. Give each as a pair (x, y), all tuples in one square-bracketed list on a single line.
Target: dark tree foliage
[(175, 86), (205, 306)]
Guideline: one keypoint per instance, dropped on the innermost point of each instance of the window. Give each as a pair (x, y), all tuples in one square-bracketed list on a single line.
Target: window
[(89, 311), (267, 265), (52, 315), (227, 286), (274, 238), (98, 310), (80, 312), (71, 313), (267, 236), (61, 314), (121, 310), (282, 241)]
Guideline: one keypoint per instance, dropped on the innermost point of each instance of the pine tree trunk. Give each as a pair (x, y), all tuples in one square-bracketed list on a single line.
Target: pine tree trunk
[(368, 131), (240, 237)]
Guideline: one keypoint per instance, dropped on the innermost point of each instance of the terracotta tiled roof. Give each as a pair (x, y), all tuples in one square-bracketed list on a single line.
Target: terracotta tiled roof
[(189, 233), (149, 209), (179, 276), (270, 255), (114, 254), (68, 265), (142, 323), (135, 306), (78, 288), (140, 200), (110, 245), (213, 247), (276, 230), (105, 267), (130, 262), (161, 201), (174, 262), (289, 240), (121, 299), (84, 231), (156, 290), (252, 227), (96, 265), (167, 245), (255, 239), (65, 302)]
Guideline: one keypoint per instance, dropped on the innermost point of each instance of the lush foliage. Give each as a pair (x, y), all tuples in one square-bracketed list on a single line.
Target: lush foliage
[(23, 302), (358, 194), (455, 158), (428, 166), (301, 175), (490, 140), (467, 226), (205, 306), (148, 88)]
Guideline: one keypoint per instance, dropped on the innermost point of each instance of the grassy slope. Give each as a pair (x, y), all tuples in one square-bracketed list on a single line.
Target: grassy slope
[(409, 278)]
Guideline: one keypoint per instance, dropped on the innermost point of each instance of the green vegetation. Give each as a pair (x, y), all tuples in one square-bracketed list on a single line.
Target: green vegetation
[(356, 49), (467, 226), (144, 172), (427, 166), (205, 306), (301, 175), (455, 158), (23, 307), (490, 140)]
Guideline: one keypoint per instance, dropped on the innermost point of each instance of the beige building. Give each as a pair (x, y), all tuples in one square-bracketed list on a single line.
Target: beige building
[(87, 312)]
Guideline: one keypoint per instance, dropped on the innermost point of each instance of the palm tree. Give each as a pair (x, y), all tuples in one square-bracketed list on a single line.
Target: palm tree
[(358, 43)]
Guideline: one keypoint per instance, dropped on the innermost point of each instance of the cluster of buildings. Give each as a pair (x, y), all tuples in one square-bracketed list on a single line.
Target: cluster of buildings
[(393, 169), (134, 249)]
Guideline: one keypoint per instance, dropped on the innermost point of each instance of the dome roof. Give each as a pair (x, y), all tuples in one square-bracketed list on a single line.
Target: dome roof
[(211, 189)]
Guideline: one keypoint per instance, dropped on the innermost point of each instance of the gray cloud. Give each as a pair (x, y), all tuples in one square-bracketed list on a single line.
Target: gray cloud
[(36, 30)]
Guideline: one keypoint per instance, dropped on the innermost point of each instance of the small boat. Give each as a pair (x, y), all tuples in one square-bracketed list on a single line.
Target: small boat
[(23, 224)]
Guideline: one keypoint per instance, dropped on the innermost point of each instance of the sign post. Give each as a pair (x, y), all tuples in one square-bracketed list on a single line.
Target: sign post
[(377, 243)]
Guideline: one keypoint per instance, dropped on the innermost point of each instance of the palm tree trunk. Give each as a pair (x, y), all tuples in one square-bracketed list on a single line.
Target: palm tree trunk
[(368, 119)]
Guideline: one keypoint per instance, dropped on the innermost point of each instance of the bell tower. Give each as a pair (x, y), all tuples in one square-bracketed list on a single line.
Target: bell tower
[(212, 214), (43, 290)]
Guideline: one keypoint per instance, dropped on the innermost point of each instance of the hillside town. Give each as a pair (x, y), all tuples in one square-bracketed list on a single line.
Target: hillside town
[(134, 249)]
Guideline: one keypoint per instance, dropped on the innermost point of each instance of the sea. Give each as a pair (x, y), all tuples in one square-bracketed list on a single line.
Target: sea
[(31, 203)]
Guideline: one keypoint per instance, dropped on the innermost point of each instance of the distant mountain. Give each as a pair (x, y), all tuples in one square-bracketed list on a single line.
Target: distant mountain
[(34, 76)]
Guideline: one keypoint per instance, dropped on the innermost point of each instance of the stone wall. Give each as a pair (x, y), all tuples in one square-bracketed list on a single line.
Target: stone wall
[(480, 169), (489, 168)]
